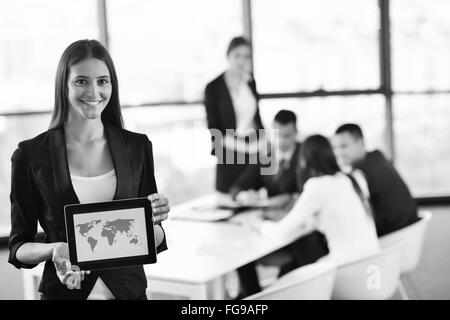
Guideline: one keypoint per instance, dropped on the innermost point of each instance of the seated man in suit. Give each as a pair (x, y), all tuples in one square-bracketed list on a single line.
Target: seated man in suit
[(287, 153), (392, 202), (286, 181)]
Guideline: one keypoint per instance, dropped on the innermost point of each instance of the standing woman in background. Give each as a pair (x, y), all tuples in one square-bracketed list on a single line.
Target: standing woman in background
[(231, 102), (85, 156)]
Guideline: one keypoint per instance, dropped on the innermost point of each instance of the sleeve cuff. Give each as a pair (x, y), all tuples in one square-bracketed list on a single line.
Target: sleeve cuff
[(13, 259), (163, 245)]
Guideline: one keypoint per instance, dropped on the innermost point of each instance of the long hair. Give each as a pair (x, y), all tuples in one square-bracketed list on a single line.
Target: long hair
[(317, 158), (75, 53)]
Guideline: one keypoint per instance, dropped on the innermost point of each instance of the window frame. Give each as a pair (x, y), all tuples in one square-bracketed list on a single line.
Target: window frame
[(384, 89)]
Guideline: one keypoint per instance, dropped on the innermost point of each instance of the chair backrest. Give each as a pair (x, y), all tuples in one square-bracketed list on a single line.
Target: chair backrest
[(311, 282), (412, 237), (372, 278)]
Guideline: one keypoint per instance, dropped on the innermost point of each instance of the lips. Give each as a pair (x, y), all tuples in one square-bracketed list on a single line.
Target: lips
[(92, 103)]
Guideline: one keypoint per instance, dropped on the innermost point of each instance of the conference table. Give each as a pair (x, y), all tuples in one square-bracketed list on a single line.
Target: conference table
[(201, 254)]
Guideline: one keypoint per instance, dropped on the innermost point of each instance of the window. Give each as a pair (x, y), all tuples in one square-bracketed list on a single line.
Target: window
[(181, 148), (168, 50), (422, 134), (420, 63), (12, 131), (303, 45), (324, 115), (420, 45), (32, 39)]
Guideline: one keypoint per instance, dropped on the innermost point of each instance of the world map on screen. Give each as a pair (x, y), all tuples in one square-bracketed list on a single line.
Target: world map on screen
[(114, 232)]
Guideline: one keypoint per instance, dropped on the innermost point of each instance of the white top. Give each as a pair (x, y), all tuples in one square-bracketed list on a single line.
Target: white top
[(245, 106), (96, 189), (331, 205)]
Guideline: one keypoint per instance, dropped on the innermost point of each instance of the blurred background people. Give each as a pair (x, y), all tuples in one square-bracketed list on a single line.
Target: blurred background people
[(282, 187), (329, 203), (393, 205), (287, 150), (231, 102)]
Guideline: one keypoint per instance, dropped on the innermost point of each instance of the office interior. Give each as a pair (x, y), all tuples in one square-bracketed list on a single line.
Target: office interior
[(383, 64)]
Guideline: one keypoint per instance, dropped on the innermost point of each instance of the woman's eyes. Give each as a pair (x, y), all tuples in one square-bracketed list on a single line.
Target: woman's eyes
[(82, 82)]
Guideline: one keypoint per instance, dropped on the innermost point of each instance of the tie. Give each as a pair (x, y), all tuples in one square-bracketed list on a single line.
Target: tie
[(283, 164), (366, 202)]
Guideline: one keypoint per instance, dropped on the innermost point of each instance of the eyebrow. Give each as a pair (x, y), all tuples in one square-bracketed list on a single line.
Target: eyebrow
[(86, 77)]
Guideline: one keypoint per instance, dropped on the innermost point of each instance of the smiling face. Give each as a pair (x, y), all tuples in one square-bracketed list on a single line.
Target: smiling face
[(89, 88), (347, 148)]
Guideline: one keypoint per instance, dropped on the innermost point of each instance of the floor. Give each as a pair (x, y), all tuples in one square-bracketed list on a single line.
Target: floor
[(429, 281)]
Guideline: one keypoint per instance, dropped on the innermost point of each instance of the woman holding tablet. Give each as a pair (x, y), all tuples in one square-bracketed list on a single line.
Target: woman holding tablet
[(85, 156)]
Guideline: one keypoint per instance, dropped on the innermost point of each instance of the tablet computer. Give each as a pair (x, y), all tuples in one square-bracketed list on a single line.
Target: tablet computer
[(111, 234)]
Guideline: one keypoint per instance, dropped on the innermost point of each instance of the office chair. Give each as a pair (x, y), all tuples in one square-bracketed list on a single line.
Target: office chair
[(310, 282), (372, 278), (412, 237)]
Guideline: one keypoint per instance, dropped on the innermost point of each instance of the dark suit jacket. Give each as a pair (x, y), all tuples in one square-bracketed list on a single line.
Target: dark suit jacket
[(41, 186), (219, 106), (393, 205), (286, 181)]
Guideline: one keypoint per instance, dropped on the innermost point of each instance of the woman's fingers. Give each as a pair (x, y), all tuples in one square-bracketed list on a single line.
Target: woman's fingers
[(160, 207), (161, 210), (64, 277), (158, 199), (68, 276), (153, 197), (160, 217), (160, 202), (74, 278)]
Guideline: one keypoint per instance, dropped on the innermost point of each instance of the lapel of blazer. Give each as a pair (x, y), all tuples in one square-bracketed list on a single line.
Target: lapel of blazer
[(121, 162), (228, 103), (61, 172), (60, 166)]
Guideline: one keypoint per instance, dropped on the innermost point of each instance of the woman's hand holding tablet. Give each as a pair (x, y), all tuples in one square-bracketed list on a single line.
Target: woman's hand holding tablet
[(160, 207), (61, 257)]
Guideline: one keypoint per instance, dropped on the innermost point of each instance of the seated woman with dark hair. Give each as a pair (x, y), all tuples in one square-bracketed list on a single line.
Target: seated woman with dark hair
[(330, 203)]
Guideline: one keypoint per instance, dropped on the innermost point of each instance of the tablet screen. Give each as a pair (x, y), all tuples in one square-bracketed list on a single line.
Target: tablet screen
[(110, 234)]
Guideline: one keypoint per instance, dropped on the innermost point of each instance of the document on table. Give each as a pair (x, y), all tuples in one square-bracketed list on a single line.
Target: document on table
[(204, 213)]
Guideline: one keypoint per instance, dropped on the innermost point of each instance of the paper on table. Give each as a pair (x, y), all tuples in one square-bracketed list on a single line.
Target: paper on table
[(204, 213), (221, 249)]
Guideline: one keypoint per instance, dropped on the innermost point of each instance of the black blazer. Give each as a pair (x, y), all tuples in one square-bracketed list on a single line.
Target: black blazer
[(219, 105), (393, 205), (41, 186), (285, 181)]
